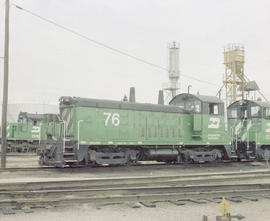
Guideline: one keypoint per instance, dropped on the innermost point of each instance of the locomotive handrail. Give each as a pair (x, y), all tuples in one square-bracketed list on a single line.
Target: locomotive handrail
[(39, 139), (64, 134), (256, 147), (232, 138), (248, 147)]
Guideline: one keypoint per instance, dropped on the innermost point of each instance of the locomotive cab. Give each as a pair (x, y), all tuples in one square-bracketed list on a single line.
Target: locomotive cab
[(207, 113), (248, 122), (203, 127)]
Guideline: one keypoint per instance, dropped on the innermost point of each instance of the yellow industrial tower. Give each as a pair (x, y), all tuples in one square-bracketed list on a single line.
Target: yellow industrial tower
[(235, 82)]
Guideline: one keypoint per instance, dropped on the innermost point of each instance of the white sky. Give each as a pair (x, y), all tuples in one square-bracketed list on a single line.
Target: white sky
[(47, 62)]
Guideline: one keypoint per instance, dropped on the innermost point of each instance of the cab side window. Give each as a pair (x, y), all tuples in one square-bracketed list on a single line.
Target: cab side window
[(267, 113), (255, 111), (232, 113), (213, 109)]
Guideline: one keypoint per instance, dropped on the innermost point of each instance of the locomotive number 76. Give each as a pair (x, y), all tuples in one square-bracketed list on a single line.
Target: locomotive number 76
[(115, 119)]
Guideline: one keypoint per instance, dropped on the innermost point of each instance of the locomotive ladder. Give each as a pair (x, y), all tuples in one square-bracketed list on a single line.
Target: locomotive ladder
[(69, 154)]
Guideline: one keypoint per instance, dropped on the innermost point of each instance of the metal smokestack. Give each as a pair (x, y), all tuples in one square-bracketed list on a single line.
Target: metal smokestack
[(160, 97), (132, 95), (173, 85)]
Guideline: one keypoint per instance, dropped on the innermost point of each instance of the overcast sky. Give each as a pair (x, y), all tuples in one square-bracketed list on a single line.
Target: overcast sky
[(47, 62)]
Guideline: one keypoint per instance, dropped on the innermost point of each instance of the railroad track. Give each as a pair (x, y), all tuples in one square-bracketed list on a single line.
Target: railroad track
[(172, 180), (201, 193), (136, 189), (243, 165), (27, 154)]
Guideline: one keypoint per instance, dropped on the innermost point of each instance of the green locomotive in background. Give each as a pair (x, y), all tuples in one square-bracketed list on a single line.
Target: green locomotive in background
[(97, 132), (23, 135), (249, 126), (30, 131)]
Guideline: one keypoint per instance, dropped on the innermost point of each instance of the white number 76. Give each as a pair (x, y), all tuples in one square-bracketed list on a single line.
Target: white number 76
[(115, 119)]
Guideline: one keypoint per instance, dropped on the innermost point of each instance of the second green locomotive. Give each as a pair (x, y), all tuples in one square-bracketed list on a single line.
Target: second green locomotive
[(249, 127)]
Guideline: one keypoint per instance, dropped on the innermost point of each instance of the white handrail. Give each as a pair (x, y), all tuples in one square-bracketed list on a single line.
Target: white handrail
[(64, 134), (256, 140), (64, 138), (248, 136), (79, 121), (39, 139)]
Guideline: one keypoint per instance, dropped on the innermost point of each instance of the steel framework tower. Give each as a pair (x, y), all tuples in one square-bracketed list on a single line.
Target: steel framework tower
[(172, 86), (235, 82)]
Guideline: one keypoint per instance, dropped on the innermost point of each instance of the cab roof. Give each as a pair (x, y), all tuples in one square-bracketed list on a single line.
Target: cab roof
[(202, 98), (31, 116), (259, 103), (66, 101)]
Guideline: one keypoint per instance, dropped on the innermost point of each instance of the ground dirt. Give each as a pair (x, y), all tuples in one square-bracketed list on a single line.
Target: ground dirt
[(253, 211)]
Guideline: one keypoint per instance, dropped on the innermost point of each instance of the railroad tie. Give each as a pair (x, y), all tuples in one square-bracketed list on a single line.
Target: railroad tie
[(8, 211), (27, 209), (234, 199), (266, 197), (197, 201), (214, 200), (249, 198), (148, 204), (177, 202), (134, 205)]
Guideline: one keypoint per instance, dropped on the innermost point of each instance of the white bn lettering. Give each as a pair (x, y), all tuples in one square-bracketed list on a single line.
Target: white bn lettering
[(214, 123)]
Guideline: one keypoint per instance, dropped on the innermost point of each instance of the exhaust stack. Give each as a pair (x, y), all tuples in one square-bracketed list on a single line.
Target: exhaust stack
[(132, 95), (160, 97)]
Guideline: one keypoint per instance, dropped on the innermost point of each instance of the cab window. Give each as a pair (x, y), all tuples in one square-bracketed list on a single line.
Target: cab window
[(190, 105), (267, 112), (243, 112), (255, 111), (233, 113), (193, 106), (213, 109)]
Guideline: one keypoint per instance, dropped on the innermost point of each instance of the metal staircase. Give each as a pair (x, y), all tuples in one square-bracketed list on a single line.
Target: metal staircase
[(69, 154)]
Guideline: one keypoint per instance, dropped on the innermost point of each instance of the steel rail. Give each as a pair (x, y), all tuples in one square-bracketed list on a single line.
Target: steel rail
[(127, 194), (139, 165), (184, 179)]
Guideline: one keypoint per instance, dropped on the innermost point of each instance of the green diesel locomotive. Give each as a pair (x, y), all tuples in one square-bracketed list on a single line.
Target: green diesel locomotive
[(97, 132), (23, 136), (31, 131), (249, 126)]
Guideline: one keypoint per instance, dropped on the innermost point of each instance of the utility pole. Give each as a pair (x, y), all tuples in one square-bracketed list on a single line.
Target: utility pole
[(5, 90)]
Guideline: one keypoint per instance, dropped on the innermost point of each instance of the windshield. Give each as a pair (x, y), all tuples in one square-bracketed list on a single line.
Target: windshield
[(190, 105), (232, 113)]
